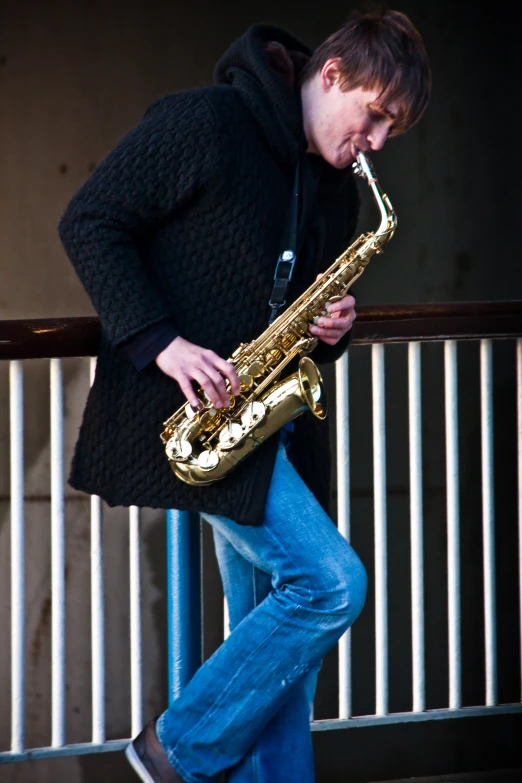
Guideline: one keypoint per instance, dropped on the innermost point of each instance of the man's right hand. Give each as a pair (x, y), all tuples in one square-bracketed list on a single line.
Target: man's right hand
[(186, 362)]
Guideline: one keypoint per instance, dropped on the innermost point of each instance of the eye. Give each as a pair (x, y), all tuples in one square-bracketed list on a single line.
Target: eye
[(376, 115)]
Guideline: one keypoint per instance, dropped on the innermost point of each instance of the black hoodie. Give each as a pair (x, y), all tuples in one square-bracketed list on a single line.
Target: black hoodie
[(182, 223)]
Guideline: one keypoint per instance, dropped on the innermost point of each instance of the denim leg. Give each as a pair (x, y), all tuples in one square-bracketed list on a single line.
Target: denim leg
[(283, 751), (318, 589)]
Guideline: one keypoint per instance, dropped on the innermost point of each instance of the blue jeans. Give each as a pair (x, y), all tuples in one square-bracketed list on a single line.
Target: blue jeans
[(293, 587)]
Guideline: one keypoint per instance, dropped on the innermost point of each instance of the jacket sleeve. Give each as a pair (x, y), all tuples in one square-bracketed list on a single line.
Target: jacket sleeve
[(149, 175), (143, 347)]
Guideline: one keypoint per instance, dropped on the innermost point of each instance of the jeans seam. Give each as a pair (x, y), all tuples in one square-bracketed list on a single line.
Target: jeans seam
[(204, 718)]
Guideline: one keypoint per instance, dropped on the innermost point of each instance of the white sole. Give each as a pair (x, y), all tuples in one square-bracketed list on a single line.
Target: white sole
[(138, 767)]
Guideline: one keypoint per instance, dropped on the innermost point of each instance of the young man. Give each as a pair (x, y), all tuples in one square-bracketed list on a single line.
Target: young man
[(175, 237)]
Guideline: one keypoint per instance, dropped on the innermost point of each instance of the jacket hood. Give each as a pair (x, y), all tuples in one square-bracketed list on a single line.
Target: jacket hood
[(264, 65)]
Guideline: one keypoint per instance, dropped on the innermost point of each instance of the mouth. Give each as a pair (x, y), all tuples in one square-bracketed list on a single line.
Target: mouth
[(354, 153)]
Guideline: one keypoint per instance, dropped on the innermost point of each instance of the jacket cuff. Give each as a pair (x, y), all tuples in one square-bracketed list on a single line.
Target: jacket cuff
[(143, 347), (325, 354)]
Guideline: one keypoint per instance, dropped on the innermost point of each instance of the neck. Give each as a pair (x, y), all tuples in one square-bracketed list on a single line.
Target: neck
[(308, 103)]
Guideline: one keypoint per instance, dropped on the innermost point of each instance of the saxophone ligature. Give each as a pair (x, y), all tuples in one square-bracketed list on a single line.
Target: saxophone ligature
[(204, 445)]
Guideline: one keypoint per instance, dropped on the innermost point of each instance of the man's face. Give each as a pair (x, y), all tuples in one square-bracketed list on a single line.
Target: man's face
[(338, 123)]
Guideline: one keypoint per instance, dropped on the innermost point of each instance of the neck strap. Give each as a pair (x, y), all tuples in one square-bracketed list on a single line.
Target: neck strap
[(286, 261)]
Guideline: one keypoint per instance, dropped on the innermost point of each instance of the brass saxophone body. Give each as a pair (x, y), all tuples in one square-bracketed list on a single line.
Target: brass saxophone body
[(204, 445)]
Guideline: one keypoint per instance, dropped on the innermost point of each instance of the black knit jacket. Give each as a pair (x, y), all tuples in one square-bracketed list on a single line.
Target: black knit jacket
[(183, 221)]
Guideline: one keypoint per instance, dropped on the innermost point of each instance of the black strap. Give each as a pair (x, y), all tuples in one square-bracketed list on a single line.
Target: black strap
[(286, 261)]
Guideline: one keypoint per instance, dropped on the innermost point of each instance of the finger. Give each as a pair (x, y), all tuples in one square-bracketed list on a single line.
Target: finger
[(321, 332), (348, 312), (342, 324), (219, 382), (208, 386), (346, 303), (229, 371), (188, 390), (330, 339)]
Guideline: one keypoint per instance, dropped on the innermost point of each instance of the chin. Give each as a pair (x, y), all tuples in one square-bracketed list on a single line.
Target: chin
[(343, 161)]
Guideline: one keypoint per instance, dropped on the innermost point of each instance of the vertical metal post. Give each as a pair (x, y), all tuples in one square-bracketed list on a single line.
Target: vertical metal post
[(488, 520), (16, 423), (379, 480), (452, 505), (184, 598), (57, 555), (343, 516), (97, 615), (416, 521), (135, 620), (519, 454)]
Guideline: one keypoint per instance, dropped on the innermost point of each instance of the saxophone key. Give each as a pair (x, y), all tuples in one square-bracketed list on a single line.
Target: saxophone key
[(255, 369), (273, 356), (210, 419), (246, 381), (208, 459), (300, 325), (190, 412), (288, 340), (177, 449), (238, 350), (333, 300), (253, 414), (230, 434)]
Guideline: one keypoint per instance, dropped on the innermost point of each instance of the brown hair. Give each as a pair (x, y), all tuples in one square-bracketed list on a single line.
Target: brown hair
[(380, 49)]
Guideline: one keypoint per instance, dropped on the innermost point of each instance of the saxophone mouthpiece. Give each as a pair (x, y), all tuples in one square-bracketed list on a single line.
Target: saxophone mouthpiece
[(363, 167)]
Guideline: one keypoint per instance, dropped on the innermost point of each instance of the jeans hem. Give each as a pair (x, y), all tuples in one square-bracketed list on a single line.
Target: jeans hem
[(213, 709)]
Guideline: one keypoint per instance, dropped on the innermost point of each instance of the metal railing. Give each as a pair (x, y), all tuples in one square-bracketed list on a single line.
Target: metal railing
[(375, 326)]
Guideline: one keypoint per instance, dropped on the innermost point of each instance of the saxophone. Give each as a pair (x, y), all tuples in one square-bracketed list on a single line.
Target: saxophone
[(204, 445)]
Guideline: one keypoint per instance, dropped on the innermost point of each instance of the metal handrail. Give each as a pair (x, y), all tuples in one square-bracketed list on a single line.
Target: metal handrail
[(42, 338)]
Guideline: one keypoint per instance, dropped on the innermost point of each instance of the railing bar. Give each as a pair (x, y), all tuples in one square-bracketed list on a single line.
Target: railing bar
[(183, 599), (452, 506), (488, 521), (136, 650), (201, 593), (379, 479), (395, 718), (97, 614), (57, 555), (360, 721), (343, 515), (16, 417), (416, 522), (519, 450)]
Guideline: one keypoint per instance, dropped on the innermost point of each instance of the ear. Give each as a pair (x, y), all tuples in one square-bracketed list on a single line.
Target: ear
[(330, 73)]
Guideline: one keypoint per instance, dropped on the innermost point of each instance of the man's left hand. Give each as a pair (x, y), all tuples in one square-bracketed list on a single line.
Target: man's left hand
[(341, 315)]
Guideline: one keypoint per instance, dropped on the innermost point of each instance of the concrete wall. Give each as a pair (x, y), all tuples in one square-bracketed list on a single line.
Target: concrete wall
[(74, 77)]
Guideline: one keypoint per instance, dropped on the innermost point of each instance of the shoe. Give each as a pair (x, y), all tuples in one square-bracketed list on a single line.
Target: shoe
[(146, 755)]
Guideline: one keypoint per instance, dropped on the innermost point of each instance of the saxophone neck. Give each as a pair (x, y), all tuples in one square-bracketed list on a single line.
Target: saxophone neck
[(364, 168)]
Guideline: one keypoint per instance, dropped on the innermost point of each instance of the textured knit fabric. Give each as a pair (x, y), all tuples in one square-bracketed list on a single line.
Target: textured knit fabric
[(183, 221), (145, 346)]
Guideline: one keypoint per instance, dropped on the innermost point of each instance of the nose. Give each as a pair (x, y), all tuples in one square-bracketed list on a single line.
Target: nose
[(378, 136)]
